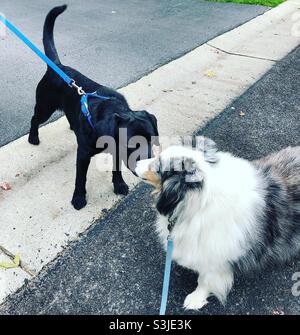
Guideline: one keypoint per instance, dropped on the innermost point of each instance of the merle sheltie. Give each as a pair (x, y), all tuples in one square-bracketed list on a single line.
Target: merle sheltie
[(227, 213)]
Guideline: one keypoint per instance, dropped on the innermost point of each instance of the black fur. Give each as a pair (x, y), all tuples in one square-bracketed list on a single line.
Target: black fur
[(109, 116)]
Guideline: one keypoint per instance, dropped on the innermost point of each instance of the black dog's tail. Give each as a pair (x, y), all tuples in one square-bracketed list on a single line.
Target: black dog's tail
[(48, 39)]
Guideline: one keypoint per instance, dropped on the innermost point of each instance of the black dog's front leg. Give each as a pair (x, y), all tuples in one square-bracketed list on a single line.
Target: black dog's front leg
[(79, 196), (120, 187)]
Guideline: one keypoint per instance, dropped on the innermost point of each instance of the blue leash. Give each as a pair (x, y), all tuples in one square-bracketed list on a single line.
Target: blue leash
[(165, 291), (47, 60), (54, 67)]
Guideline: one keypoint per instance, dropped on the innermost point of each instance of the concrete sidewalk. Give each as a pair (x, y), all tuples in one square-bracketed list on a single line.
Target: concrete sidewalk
[(183, 94), (117, 266)]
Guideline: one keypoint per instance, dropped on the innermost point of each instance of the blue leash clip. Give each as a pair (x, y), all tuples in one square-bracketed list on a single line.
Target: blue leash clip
[(165, 291)]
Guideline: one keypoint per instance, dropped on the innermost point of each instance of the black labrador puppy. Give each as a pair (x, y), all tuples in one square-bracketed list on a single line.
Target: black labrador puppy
[(108, 116)]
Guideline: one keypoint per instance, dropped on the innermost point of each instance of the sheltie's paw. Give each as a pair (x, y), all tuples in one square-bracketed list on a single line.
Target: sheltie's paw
[(196, 300)]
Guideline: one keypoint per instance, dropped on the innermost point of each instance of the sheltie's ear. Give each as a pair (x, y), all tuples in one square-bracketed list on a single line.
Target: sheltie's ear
[(156, 149), (203, 144)]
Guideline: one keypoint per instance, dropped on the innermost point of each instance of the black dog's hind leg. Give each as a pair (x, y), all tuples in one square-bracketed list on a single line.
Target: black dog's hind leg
[(120, 187), (70, 115), (79, 196), (44, 108), (38, 118)]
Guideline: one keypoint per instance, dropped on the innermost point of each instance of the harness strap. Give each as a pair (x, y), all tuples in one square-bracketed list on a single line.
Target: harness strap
[(85, 107)]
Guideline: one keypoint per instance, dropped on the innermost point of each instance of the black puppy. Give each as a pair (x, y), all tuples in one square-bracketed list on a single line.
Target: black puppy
[(108, 116)]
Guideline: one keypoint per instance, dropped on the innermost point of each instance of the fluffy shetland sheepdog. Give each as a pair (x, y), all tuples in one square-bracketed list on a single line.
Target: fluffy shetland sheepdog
[(227, 213)]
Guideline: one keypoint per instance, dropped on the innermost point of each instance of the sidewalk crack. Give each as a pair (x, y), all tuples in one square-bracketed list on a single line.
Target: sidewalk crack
[(241, 55)]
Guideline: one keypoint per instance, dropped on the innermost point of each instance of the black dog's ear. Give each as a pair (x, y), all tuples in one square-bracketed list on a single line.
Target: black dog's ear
[(147, 118), (125, 118), (110, 126), (153, 121), (151, 118)]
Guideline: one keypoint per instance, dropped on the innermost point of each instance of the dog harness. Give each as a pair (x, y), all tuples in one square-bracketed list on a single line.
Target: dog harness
[(85, 106), (71, 82)]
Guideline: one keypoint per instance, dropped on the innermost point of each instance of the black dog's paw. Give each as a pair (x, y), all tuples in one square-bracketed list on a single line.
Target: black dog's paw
[(78, 201), (33, 140), (121, 188)]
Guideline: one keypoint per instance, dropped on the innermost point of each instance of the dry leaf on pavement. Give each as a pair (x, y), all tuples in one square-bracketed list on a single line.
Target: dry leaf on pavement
[(209, 74), (15, 263)]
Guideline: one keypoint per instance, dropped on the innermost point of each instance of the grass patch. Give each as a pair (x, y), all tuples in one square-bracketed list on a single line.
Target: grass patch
[(269, 3)]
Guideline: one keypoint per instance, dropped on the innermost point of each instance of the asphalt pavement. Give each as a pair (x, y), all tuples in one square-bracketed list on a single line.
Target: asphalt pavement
[(114, 42), (116, 267)]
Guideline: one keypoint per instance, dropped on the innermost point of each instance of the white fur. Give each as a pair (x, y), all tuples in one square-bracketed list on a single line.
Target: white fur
[(142, 166), (213, 224)]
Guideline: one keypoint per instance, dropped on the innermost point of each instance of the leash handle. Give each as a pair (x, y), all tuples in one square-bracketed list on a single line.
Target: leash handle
[(54, 67), (166, 283)]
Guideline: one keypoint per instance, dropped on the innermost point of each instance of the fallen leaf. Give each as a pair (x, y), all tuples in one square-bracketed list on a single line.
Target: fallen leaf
[(209, 74), (14, 264), (5, 186)]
